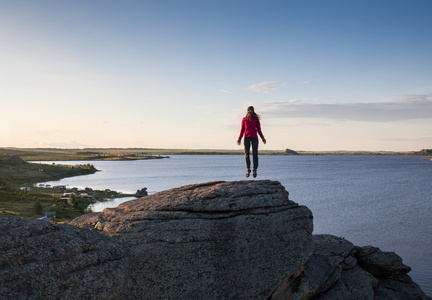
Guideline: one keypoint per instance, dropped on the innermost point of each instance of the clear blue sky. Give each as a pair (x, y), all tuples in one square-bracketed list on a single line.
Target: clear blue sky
[(323, 75)]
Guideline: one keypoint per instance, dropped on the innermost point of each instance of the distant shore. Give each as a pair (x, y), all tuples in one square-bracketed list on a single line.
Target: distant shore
[(90, 154), (57, 154), (17, 173)]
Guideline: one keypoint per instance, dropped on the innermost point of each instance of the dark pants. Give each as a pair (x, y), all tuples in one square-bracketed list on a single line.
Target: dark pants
[(247, 144)]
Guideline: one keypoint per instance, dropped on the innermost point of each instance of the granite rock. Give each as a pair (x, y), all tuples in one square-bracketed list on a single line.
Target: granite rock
[(339, 270), (39, 260), (218, 240)]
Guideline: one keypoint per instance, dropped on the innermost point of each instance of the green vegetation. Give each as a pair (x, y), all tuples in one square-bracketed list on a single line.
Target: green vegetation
[(31, 201), (54, 154), (34, 203), (72, 200), (38, 208), (425, 152), (15, 172)]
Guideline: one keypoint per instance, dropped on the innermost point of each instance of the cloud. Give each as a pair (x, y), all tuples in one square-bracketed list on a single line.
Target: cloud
[(407, 107), (306, 82), (266, 86)]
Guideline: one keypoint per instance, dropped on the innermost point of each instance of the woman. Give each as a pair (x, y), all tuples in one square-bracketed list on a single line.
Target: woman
[(251, 127)]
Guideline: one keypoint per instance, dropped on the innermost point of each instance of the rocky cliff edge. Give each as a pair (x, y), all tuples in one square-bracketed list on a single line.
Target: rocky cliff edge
[(218, 240)]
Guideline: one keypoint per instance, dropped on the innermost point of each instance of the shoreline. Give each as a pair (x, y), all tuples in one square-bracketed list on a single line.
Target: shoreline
[(126, 154), (21, 196), (16, 202)]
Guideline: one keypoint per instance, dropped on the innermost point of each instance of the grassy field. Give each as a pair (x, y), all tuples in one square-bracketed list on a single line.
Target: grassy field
[(16, 173), (33, 204), (54, 154)]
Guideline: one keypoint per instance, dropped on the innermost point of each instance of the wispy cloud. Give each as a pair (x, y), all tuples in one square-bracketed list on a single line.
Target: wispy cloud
[(407, 107), (266, 86)]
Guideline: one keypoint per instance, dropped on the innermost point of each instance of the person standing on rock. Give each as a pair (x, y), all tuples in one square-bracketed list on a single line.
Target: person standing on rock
[(251, 127)]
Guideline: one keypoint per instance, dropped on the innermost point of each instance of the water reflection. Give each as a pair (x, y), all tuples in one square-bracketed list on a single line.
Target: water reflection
[(101, 205)]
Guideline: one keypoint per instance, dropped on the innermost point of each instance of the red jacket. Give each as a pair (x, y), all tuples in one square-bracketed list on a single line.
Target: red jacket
[(250, 128)]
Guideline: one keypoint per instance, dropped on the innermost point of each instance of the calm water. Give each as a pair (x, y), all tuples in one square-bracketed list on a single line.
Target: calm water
[(384, 201)]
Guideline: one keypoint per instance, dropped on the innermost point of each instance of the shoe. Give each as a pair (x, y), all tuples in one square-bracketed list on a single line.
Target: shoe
[(254, 173), (248, 173)]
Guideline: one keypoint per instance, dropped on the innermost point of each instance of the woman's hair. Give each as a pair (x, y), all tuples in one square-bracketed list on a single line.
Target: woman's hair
[(253, 115)]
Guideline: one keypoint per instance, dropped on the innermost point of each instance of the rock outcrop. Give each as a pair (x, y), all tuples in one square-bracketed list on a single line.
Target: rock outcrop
[(39, 260), (339, 270), (218, 240), (141, 193)]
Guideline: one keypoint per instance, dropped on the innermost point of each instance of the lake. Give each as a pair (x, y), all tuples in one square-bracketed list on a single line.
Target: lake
[(379, 200)]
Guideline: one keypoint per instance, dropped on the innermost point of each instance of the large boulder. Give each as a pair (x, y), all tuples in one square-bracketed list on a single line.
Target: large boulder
[(218, 240), (339, 270), (39, 260), (392, 274)]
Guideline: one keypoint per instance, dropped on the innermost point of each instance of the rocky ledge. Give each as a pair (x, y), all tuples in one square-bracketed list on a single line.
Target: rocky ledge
[(39, 260), (218, 240)]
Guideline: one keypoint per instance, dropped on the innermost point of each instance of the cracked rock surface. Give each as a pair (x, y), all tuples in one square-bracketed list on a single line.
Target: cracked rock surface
[(216, 240), (224, 240), (39, 260), (339, 270)]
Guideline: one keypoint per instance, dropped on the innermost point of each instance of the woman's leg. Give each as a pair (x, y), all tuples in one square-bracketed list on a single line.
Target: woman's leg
[(255, 152), (247, 144)]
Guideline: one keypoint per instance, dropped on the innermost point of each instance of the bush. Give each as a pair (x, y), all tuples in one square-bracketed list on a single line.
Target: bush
[(73, 200), (426, 152), (88, 167), (38, 209)]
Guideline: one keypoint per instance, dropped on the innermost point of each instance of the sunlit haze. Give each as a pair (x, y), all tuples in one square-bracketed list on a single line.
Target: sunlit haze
[(323, 75)]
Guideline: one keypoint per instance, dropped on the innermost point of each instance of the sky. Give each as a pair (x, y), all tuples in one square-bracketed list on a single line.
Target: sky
[(322, 75)]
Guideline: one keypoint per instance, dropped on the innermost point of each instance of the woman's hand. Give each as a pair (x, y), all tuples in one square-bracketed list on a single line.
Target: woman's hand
[(238, 142), (264, 141)]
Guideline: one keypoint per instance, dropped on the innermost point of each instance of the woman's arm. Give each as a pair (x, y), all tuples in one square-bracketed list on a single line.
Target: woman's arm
[(242, 130), (258, 126)]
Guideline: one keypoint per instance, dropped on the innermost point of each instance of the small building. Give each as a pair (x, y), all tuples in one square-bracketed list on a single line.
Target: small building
[(25, 189), (65, 198), (89, 191), (67, 194), (59, 188)]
